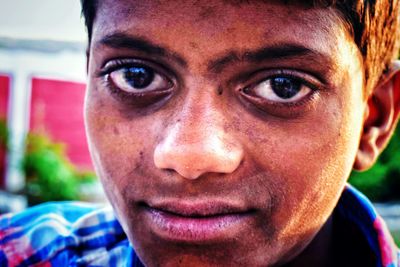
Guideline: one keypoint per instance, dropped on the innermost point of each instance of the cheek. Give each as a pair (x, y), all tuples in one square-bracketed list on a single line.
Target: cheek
[(120, 152), (312, 158), (120, 149)]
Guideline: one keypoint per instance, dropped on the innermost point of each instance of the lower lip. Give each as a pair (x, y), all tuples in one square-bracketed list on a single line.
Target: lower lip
[(190, 229)]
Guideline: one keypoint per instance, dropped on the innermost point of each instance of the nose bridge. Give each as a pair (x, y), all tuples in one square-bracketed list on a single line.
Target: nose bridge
[(198, 128), (200, 116), (196, 142)]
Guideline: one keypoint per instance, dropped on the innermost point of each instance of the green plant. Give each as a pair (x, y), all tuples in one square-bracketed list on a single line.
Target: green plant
[(381, 182), (396, 237), (50, 175), (3, 149), (3, 134)]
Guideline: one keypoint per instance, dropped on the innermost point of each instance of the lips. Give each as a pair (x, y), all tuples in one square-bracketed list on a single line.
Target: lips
[(196, 222), (200, 209)]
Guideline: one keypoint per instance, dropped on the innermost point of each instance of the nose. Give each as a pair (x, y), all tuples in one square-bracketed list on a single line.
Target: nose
[(198, 144)]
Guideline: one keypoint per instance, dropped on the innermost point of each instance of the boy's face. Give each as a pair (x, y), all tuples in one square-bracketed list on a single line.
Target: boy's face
[(223, 133)]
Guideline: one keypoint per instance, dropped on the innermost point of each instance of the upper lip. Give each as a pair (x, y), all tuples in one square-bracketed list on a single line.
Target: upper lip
[(199, 208)]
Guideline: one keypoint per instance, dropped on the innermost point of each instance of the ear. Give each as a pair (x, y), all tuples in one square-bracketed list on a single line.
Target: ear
[(381, 116)]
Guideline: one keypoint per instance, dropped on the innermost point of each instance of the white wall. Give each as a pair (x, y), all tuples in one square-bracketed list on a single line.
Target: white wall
[(42, 19)]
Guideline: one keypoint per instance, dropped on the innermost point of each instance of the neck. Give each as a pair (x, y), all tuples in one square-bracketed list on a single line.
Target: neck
[(319, 252)]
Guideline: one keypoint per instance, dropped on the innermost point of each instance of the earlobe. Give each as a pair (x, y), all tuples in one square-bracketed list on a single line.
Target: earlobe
[(381, 117)]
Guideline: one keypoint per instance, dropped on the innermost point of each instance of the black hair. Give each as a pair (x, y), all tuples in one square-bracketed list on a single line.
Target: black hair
[(89, 12)]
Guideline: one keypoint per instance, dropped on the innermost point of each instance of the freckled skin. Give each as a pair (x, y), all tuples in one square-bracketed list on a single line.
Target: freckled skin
[(288, 164)]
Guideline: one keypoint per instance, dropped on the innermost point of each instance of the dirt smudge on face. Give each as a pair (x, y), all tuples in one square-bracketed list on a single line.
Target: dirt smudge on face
[(116, 130)]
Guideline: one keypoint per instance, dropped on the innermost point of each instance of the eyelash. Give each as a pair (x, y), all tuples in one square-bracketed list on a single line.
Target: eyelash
[(132, 98), (304, 78), (280, 109), (269, 74)]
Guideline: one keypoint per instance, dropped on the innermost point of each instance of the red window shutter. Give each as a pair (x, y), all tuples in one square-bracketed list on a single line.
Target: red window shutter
[(4, 93), (57, 109)]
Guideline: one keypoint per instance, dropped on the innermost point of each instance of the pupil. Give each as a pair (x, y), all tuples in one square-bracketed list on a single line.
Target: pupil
[(139, 77), (285, 87)]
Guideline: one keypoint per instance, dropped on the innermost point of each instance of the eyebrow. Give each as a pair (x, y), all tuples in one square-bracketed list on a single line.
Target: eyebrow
[(123, 41), (273, 52)]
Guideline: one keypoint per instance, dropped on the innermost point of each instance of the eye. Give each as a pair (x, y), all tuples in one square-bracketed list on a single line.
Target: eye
[(283, 93), (138, 79), (280, 89)]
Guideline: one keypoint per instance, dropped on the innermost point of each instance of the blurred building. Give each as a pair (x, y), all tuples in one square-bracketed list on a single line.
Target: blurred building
[(42, 80)]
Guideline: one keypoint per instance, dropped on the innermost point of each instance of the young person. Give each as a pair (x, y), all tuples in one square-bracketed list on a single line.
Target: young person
[(224, 133)]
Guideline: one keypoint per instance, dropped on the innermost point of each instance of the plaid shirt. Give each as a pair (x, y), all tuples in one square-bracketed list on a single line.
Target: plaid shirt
[(77, 234)]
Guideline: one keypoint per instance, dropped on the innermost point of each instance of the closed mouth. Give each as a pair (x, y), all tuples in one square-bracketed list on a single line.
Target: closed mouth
[(198, 210), (196, 221)]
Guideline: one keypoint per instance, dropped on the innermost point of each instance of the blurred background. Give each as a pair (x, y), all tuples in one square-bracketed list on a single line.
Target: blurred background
[(43, 149)]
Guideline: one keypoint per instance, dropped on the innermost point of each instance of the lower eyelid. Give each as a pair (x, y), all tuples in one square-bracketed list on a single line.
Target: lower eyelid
[(266, 105), (133, 99)]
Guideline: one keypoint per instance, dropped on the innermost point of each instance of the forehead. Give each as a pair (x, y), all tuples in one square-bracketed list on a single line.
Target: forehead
[(270, 19), (199, 30)]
